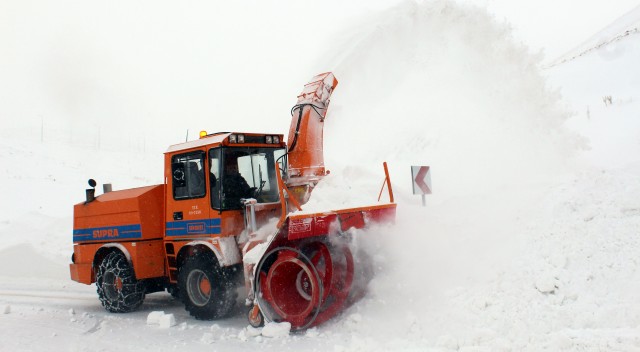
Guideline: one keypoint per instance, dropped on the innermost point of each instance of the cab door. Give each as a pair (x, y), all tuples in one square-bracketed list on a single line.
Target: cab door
[(187, 197)]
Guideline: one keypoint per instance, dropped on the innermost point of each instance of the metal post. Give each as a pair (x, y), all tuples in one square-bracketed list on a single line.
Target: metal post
[(254, 227), (424, 201), (250, 214)]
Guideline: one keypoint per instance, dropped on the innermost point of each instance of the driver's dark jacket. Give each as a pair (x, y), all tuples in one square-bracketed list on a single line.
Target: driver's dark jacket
[(234, 187)]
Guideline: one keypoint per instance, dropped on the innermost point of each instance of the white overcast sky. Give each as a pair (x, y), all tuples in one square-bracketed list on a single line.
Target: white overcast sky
[(557, 26)]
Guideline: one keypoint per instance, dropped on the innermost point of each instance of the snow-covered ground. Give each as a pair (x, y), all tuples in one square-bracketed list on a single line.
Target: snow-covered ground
[(530, 241)]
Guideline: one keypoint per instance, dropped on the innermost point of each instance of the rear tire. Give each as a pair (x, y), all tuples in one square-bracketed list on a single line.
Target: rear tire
[(174, 291), (118, 289), (205, 290)]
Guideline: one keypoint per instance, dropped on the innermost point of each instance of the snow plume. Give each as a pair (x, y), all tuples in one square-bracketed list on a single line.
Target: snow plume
[(444, 84)]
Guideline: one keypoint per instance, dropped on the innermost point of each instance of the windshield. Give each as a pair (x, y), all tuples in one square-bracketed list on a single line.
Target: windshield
[(244, 173)]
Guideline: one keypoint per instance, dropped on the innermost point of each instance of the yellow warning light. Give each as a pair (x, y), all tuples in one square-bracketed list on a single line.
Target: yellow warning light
[(203, 134)]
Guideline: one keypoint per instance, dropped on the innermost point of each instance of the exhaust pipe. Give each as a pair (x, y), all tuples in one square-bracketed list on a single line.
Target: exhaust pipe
[(90, 193)]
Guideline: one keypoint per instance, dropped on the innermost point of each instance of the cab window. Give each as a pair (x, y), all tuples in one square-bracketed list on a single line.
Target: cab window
[(187, 174), (248, 173)]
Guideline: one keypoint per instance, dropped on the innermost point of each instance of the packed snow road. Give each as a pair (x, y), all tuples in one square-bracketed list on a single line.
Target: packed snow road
[(557, 269), (42, 314)]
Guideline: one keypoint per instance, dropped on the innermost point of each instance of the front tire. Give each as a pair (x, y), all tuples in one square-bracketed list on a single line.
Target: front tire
[(118, 289), (207, 293)]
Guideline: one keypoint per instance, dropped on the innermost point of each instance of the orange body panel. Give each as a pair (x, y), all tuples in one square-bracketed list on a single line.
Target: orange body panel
[(232, 223), (133, 214), (82, 273), (147, 258), (129, 219)]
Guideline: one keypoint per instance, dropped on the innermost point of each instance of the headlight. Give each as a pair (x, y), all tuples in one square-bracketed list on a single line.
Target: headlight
[(276, 139), (241, 138), (232, 139), (268, 139)]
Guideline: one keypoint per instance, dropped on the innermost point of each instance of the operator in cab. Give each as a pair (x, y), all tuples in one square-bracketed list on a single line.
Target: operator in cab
[(234, 186)]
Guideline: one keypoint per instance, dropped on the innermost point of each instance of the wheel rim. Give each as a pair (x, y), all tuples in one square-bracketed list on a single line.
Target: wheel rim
[(198, 287), (111, 285), (255, 317), (303, 285)]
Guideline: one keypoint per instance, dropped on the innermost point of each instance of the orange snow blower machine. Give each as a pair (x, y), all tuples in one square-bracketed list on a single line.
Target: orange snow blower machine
[(229, 212)]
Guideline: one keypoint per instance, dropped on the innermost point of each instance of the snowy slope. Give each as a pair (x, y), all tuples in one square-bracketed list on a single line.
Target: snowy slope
[(611, 126), (604, 42), (529, 242)]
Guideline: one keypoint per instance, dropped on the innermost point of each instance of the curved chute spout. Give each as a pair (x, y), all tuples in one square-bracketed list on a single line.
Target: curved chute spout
[(306, 158)]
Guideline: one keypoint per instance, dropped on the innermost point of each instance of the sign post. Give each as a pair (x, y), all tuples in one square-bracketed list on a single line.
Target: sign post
[(421, 179)]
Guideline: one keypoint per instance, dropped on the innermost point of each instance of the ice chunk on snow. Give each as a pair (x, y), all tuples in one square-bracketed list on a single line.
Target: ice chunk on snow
[(72, 312), (154, 317), (253, 332), (312, 333), (207, 338), (218, 332), (274, 329), (250, 331), (242, 335), (546, 285), (166, 321), (7, 309)]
